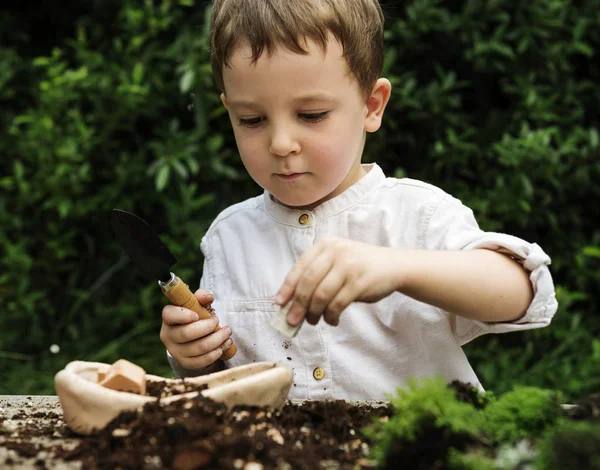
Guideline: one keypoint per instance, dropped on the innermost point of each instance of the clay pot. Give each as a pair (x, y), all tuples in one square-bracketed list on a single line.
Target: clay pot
[(88, 406)]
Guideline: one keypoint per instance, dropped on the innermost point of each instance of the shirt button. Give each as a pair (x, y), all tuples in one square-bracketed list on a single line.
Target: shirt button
[(318, 373), (304, 219)]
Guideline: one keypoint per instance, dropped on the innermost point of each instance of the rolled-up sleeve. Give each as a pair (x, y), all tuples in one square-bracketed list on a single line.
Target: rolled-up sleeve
[(452, 226)]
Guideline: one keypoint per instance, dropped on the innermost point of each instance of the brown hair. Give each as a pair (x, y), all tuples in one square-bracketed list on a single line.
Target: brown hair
[(356, 24)]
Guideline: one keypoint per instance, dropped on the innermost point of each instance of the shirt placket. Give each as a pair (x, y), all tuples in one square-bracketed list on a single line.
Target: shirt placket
[(317, 373)]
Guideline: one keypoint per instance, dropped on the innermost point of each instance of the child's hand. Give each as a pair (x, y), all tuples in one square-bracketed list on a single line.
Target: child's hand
[(334, 273), (193, 343)]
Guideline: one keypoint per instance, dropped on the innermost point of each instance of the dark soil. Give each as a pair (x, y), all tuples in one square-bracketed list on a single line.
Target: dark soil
[(467, 393), (428, 451), (165, 389), (200, 434), (25, 441)]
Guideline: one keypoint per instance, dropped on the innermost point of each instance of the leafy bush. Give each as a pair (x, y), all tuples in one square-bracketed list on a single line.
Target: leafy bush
[(420, 408), (520, 413), (495, 102), (431, 426)]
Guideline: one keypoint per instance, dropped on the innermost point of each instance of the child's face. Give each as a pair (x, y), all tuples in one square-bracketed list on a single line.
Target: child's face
[(299, 122)]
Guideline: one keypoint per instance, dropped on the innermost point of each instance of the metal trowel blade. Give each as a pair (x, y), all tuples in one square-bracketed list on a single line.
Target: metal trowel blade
[(148, 253)]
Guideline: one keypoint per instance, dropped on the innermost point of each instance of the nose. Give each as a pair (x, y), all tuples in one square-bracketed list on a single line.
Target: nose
[(283, 141)]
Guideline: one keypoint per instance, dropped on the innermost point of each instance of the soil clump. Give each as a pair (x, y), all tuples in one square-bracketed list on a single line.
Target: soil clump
[(162, 389), (198, 433)]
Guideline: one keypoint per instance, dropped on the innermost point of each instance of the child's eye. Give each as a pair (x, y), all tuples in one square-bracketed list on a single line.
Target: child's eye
[(308, 117), (314, 117), (252, 122)]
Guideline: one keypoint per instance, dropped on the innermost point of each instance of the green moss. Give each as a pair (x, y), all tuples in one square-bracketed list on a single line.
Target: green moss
[(570, 445), (523, 412), (426, 404), (431, 428), (469, 461)]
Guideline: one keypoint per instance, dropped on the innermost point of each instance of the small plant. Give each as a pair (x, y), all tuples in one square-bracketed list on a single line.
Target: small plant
[(470, 461), (523, 412), (435, 425), (428, 420)]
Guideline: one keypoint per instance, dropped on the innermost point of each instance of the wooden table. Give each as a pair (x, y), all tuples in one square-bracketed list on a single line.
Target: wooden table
[(20, 411)]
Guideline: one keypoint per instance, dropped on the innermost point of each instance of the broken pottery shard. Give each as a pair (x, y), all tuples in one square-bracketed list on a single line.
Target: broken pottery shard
[(279, 321), (125, 376), (101, 375)]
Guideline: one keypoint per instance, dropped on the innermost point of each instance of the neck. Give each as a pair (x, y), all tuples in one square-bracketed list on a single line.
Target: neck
[(355, 174)]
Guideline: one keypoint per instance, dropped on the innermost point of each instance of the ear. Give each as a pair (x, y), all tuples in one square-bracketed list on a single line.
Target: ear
[(224, 100), (376, 104)]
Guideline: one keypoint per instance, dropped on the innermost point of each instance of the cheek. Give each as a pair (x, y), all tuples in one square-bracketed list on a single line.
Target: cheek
[(251, 152), (336, 155)]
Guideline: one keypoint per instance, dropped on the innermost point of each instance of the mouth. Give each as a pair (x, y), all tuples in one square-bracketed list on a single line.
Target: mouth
[(289, 176)]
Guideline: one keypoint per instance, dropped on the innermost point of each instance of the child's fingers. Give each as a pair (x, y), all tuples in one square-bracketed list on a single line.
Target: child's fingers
[(204, 297), (205, 344), (205, 360), (174, 315), (192, 331), (288, 287), (345, 296), (324, 294), (308, 286)]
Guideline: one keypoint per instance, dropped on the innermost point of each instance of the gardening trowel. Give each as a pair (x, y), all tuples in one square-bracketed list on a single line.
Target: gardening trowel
[(154, 260)]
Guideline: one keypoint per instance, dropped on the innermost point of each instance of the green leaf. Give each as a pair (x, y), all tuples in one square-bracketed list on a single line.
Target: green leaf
[(162, 177), (64, 207), (186, 82), (594, 138), (193, 165), (19, 170), (180, 169), (400, 173), (215, 143), (584, 49), (138, 73), (591, 251)]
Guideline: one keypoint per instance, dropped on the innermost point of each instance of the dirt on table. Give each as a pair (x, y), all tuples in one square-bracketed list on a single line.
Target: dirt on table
[(197, 433), (30, 435), (200, 434), (163, 389)]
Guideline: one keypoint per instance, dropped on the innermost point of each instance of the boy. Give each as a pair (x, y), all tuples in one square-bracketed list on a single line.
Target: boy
[(398, 270)]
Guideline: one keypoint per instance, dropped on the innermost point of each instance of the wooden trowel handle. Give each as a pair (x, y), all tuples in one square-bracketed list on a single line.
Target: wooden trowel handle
[(180, 294)]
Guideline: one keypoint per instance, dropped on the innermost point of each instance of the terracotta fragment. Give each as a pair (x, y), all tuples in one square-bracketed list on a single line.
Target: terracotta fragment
[(125, 376), (101, 375)]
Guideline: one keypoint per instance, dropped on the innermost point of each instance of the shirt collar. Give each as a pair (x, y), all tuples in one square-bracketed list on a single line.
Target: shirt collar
[(340, 203)]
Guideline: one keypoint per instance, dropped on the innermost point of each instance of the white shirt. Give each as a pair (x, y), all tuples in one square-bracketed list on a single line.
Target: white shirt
[(251, 246)]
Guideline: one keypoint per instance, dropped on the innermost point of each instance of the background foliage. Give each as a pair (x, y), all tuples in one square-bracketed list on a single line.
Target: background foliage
[(114, 106)]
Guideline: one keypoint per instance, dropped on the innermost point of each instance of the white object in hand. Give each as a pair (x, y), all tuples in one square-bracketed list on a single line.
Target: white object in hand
[(279, 321)]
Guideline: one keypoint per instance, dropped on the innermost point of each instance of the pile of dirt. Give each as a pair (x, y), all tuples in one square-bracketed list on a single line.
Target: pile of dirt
[(200, 434), (197, 433), (162, 389), (467, 393)]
